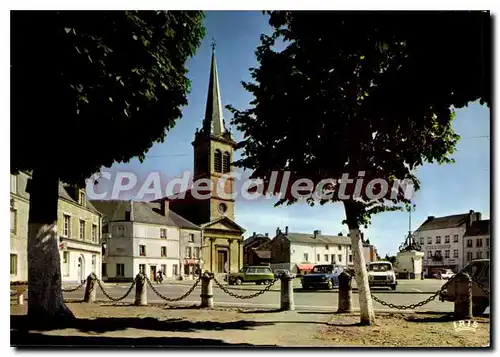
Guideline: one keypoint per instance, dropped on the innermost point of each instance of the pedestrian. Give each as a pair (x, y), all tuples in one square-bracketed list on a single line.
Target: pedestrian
[(160, 277)]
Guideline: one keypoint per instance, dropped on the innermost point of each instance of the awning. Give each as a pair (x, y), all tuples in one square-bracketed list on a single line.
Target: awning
[(305, 266)]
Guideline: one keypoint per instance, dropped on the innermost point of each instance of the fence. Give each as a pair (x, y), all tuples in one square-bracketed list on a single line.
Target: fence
[(463, 302)]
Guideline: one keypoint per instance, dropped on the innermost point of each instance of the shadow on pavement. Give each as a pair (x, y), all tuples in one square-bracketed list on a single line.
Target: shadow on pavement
[(24, 340), (101, 325), (442, 317)]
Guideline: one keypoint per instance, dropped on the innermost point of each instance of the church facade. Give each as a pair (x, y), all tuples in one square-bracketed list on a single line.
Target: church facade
[(213, 147)]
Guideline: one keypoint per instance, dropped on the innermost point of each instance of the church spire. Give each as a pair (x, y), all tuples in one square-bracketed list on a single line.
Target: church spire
[(213, 115)]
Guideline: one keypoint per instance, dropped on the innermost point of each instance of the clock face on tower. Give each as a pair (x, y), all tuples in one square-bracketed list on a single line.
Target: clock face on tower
[(222, 208)]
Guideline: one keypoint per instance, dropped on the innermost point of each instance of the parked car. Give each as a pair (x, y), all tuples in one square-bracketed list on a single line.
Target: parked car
[(445, 274), (322, 276), (480, 270), (381, 274), (252, 274), (278, 272)]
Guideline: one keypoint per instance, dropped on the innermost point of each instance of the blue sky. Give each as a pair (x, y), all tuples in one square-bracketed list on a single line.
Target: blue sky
[(446, 190)]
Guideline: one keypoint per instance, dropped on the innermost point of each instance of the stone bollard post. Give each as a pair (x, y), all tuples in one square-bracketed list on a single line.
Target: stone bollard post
[(90, 289), (287, 300), (20, 299), (141, 297), (463, 301), (207, 291), (345, 293)]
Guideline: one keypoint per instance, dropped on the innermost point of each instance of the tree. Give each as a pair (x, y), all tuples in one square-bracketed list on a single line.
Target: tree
[(88, 88), (391, 259), (321, 107)]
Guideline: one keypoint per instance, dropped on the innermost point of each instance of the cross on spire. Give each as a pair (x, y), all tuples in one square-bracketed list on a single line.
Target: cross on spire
[(212, 44)]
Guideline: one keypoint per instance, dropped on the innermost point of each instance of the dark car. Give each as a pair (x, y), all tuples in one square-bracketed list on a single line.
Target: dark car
[(322, 276)]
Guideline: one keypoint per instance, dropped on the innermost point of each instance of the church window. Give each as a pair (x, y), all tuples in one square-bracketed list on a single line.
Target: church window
[(226, 162), (218, 161)]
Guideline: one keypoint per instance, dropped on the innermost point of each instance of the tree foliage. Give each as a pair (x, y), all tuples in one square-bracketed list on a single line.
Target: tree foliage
[(92, 87), (361, 91)]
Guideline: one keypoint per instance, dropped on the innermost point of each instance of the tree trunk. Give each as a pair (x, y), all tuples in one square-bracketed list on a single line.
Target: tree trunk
[(45, 300), (360, 272)]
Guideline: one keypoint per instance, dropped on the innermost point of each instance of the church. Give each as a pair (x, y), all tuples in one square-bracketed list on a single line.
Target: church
[(222, 248)]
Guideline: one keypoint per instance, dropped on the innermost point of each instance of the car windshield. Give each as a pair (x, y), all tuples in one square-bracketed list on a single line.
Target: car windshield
[(379, 267), (474, 268), (323, 269)]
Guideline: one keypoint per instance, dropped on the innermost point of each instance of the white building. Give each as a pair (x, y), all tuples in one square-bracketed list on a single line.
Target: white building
[(477, 241), (301, 251), (442, 241), (78, 226), (148, 237)]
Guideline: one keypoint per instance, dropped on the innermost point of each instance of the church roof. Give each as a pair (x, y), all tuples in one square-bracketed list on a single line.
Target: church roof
[(213, 122)]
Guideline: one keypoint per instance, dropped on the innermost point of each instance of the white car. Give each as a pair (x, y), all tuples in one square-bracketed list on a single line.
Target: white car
[(445, 274), (382, 274)]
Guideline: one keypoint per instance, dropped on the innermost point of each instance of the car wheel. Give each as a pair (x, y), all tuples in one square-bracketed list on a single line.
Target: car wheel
[(238, 281), (330, 284), (393, 287)]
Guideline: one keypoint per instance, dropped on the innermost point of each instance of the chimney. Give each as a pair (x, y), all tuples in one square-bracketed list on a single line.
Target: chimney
[(254, 234), (340, 234), (430, 218), (286, 230), (267, 234), (478, 216), (316, 233), (278, 230), (164, 206)]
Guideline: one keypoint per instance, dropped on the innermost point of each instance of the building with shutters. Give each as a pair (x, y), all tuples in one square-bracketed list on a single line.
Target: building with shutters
[(299, 252), (442, 241), (477, 241), (78, 226), (147, 237)]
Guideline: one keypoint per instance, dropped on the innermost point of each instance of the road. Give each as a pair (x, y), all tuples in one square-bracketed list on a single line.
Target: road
[(407, 292)]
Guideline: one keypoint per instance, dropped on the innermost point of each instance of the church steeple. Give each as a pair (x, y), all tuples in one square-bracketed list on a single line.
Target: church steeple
[(213, 123)]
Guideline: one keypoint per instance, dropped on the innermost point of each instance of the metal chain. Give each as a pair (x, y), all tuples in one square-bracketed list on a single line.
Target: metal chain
[(476, 280), (227, 291), (112, 298), (173, 299), (421, 303), (75, 288)]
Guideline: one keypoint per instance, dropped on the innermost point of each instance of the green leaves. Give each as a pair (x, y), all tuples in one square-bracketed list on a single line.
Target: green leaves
[(128, 80), (344, 76)]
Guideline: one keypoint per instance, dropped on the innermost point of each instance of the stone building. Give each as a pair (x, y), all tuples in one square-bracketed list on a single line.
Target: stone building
[(257, 250), (147, 237), (213, 156), (299, 252), (442, 241), (78, 227), (477, 241)]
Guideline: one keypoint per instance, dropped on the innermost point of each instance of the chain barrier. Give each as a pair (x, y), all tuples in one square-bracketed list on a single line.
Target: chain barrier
[(173, 299), (69, 290), (421, 303), (485, 290), (227, 291), (112, 298)]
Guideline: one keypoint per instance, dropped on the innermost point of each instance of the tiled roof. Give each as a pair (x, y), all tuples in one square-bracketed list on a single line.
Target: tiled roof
[(251, 240), (308, 238), (444, 222), (141, 212), (479, 228)]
